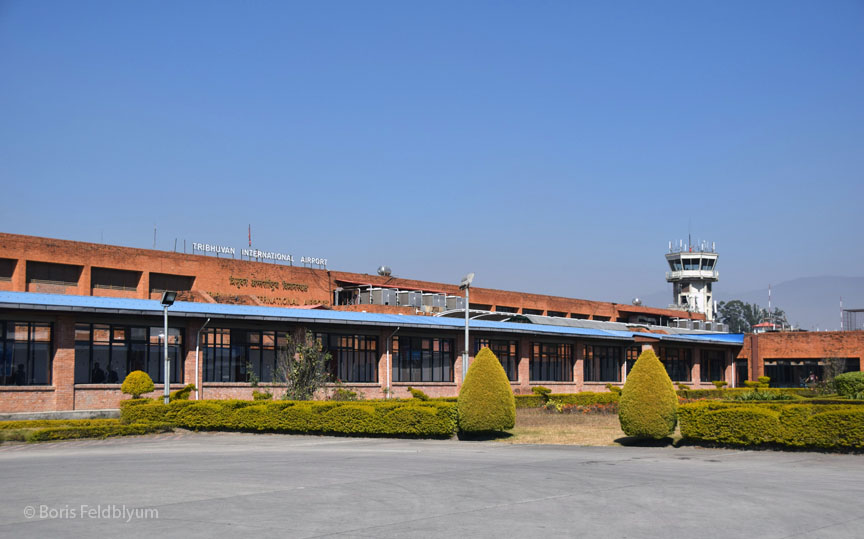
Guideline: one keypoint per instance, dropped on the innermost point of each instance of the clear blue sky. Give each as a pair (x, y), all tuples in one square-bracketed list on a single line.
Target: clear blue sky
[(553, 147)]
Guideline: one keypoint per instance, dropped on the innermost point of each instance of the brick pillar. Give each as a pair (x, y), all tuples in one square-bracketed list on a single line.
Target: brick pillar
[(84, 284), (383, 371), (19, 276), (144, 286), (459, 345), (524, 366), (754, 362), (578, 366), (189, 340), (696, 370), (729, 371), (63, 367)]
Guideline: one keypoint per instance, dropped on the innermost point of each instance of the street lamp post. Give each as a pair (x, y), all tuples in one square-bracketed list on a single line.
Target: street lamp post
[(167, 301), (465, 285)]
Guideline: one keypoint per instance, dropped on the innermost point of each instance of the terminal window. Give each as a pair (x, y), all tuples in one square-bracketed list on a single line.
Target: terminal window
[(506, 351), (25, 353), (422, 359), (106, 353), (602, 363), (551, 362)]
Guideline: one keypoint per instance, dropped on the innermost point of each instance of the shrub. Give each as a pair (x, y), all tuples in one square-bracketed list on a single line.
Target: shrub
[(648, 401), (261, 395), (757, 395), (585, 398), (753, 384), (826, 426), (850, 384), (764, 381), (418, 394), (486, 402), (95, 431), (182, 394), (720, 384), (341, 394), (614, 389), (728, 393), (738, 426), (542, 392), (137, 383), (393, 418)]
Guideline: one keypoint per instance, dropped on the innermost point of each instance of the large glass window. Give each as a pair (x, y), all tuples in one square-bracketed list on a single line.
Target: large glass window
[(354, 357), (712, 366), (507, 353), (551, 362), (25, 353), (795, 372), (230, 353), (602, 363), (633, 353), (678, 362), (422, 359), (106, 353)]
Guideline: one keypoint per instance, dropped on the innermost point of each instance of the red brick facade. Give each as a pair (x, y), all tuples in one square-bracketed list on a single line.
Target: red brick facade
[(227, 280), (800, 345)]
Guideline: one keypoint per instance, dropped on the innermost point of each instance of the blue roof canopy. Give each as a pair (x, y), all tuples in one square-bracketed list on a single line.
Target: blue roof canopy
[(128, 306)]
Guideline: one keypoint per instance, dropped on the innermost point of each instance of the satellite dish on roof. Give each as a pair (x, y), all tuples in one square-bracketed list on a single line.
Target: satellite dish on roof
[(384, 271), (637, 301)]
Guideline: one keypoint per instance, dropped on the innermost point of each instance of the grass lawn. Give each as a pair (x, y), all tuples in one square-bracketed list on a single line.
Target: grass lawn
[(536, 426)]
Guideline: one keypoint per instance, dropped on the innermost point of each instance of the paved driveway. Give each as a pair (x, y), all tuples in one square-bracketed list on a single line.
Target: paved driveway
[(243, 485)]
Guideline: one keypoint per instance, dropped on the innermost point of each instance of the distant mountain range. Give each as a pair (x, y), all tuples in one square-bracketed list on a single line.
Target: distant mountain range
[(809, 302)]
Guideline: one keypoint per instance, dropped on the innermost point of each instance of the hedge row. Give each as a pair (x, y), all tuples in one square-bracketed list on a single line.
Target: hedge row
[(404, 418), (728, 393), (825, 426), (588, 398), (585, 398), (95, 431), (45, 423)]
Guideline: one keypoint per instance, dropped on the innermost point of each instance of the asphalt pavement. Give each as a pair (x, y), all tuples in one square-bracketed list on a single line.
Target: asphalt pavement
[(243, 485)]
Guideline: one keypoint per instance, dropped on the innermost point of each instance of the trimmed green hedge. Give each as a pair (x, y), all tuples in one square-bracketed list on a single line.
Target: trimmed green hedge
[(585, 398), (41, 430), (428, 419), (850, 384), (729, 393), (486, 401), (47, 423), (827, 426), (95, 431)]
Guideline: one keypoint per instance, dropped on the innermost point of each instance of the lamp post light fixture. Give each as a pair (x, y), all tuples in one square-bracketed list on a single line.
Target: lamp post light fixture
[(167, 301), (465, 285)]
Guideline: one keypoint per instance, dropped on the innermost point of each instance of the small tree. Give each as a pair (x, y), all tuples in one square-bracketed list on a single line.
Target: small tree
[(486, 402), (649, 404), (302, 366), (137, 383)]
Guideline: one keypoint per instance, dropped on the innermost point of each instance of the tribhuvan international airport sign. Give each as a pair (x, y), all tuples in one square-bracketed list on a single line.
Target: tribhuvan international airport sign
[(256, 254)]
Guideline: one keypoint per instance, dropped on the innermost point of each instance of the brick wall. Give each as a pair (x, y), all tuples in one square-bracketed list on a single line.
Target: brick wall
[(800, 345), (270, 284)]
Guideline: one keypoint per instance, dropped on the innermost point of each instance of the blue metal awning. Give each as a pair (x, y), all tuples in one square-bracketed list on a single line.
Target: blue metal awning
[(143, 307)]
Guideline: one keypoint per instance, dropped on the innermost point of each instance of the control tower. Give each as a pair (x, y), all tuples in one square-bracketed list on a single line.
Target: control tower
[(693, 268)]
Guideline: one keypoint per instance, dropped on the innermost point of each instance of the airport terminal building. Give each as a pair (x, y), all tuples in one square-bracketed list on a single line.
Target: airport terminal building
[(76, 317)]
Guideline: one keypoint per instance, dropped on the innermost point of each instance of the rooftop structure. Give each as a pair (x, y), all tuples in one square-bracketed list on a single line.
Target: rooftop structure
[(693, 270)]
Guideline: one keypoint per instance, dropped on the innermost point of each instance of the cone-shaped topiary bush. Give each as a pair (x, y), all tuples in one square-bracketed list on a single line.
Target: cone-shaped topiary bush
[(648, 404), (137, 383), (486, 402)]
